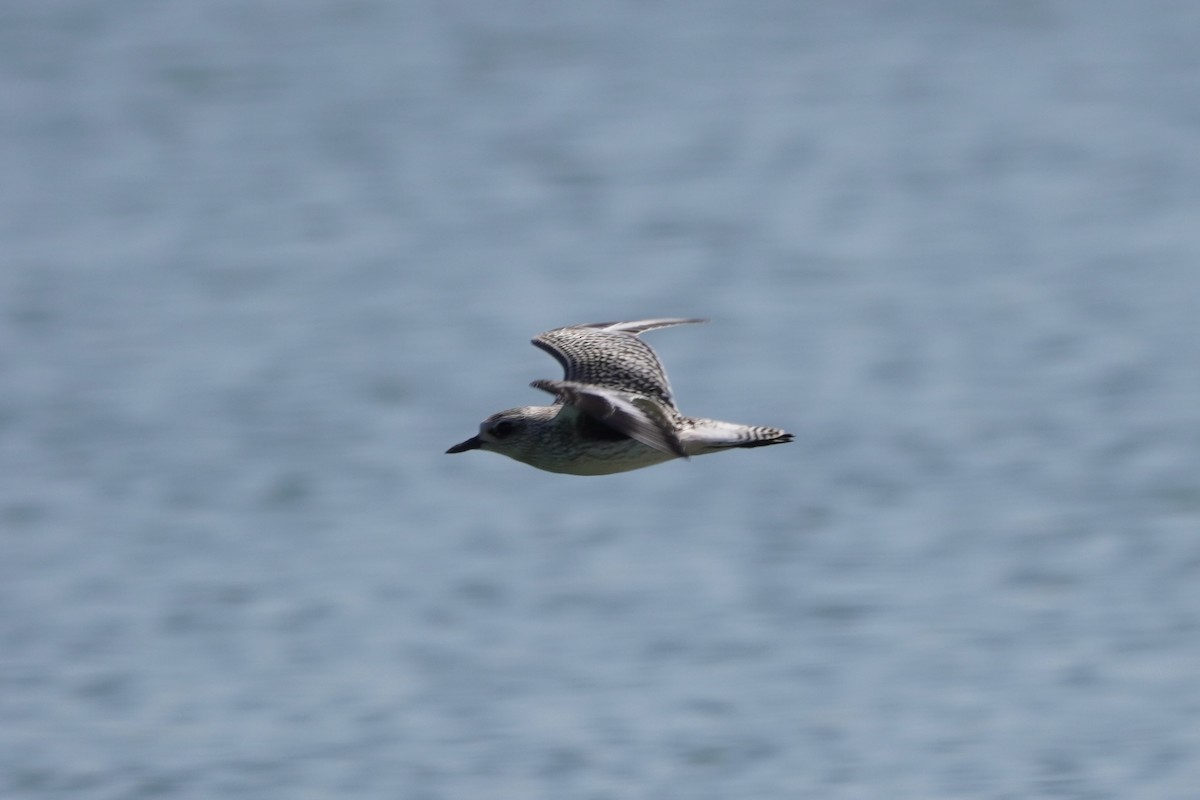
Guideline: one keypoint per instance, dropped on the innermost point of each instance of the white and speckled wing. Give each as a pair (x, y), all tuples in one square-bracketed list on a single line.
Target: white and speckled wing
[(635, 415), (610, 355)]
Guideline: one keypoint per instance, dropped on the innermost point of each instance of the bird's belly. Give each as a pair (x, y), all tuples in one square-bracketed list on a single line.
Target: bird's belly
[(599, 458)]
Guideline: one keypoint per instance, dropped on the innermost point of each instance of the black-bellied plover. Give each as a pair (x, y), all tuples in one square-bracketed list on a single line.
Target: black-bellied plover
[(614, 411)]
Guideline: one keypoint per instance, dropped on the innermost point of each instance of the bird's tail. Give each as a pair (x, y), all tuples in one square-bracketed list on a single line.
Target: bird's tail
[(710, 435)]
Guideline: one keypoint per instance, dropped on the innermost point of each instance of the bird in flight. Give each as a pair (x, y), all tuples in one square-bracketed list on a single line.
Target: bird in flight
[(613, 409)]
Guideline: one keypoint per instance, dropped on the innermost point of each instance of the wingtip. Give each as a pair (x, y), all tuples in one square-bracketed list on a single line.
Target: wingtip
[(640, 326)]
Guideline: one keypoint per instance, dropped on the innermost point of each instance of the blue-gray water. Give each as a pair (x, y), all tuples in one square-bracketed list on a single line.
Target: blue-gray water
[(263, 262)]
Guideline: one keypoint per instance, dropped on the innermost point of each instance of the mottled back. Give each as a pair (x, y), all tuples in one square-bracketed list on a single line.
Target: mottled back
[(610, 354)]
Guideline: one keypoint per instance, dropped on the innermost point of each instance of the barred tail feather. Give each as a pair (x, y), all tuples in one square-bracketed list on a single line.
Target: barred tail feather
[(710, 436), (767, 436)]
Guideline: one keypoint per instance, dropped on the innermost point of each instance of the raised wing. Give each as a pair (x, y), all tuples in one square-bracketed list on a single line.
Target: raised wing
[(610, 355)]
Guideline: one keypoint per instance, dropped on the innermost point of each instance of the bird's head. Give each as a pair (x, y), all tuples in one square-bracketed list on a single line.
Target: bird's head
[(507, 432)]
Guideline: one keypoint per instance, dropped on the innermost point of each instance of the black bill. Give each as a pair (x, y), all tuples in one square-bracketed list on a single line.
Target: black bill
[(474, 443)]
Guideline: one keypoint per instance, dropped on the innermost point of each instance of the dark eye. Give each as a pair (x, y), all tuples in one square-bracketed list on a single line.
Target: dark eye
[(503, 428)]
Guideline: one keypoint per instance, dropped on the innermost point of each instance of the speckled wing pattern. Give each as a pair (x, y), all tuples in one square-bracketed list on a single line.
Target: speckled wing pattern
[(616, 379), (610, 355)]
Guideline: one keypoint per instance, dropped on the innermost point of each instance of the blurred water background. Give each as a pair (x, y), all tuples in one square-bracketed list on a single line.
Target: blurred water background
[(262, 262)]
